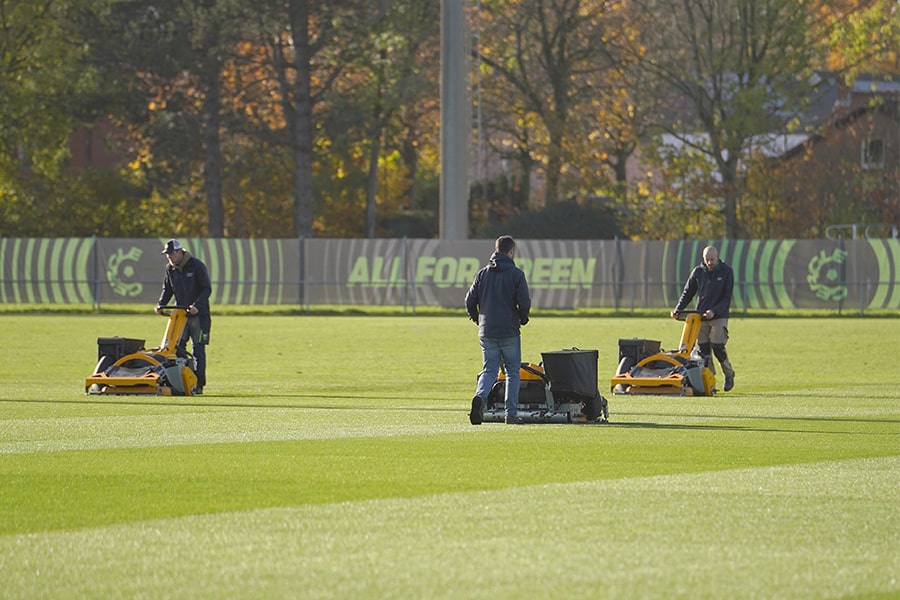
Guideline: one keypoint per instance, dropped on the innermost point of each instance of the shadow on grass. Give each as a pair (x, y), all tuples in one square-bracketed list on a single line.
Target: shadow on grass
[(683, 426), (194, 402), (767, 418)]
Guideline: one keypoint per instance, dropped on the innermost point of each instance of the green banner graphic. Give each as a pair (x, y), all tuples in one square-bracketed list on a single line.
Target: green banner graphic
[(769, 274)]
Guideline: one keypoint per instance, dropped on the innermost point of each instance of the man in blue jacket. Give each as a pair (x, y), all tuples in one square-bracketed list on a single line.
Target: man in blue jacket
[(499, 302), (712, 282), (188, 280)]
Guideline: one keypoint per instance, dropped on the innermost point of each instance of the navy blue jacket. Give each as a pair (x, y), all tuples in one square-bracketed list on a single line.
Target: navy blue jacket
[(189, 282), (712, 288), (498, 299)]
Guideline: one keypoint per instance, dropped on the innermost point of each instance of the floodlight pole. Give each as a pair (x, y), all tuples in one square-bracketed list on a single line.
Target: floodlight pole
[(454, 199)]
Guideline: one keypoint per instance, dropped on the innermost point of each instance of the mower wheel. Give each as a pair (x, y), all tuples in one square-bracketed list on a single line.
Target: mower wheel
[(105, 362), (625, 365)]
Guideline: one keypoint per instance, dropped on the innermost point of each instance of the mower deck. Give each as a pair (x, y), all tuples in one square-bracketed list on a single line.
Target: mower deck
[(562, 389), (680, 372), (163, 371)]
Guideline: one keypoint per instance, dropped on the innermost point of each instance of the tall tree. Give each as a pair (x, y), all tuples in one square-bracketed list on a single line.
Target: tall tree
[(211, 43), (38, 69), (737, 69), (386, 79), (541, 61), (301, 38), (619, 115), (43, 84), (171, 55), (864, 36)]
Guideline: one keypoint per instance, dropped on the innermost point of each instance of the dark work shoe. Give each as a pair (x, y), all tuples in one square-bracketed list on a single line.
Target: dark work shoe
[(513, 421), (729, 382), (477, 414)]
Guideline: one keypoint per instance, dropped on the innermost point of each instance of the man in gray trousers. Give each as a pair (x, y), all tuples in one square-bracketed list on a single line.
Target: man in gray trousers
[(712, 281)]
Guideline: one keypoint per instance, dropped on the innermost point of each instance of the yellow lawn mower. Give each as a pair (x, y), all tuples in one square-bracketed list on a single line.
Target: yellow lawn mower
[(125, 367), (646, 369)]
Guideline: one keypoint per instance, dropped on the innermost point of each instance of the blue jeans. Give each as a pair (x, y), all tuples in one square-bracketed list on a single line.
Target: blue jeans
[(495, 351)]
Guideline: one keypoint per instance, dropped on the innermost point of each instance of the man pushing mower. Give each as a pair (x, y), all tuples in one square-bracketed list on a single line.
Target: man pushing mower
[(712, 281)]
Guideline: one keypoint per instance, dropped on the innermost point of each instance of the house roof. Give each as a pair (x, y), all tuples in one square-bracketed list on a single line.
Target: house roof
[(770, 144), (831, 104), (841, 120)]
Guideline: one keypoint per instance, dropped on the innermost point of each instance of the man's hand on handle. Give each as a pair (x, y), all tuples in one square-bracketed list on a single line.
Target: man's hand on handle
[(192, 310), (709, 314)]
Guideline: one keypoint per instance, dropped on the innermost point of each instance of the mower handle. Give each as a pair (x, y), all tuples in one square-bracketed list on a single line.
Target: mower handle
[(678, 315), (164, 308)]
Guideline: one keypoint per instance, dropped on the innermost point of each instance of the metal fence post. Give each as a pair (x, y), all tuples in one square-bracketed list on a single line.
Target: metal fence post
[(301, 284), (96, 276)]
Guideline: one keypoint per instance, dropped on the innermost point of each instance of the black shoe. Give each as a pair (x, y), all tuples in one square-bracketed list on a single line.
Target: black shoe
[(513, 421), (729, 382), (477, 414), (198, 391)]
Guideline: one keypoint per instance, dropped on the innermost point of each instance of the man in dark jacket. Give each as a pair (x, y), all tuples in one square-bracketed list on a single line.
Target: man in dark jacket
[(499, 302), (712, 282), (187, 279)]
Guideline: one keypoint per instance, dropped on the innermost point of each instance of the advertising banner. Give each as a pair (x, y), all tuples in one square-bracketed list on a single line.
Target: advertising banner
[(562, 274)]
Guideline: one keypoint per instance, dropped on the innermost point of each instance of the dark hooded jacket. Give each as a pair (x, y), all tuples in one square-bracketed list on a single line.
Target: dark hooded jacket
[(498, 299), (713, 289), (189, 282)]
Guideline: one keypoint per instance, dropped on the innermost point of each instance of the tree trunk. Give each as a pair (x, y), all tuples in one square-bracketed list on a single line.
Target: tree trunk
[(410, 158), (302, 151), (212, 163), (553, 172), (731, 194), (212, 143), (552, 175), (620, 166), (301, 134), (372, 182)]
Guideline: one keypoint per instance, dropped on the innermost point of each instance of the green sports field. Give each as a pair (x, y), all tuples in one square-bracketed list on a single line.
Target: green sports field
[(332, 457)]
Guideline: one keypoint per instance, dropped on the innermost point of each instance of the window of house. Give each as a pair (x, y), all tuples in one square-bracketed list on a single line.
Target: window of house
[(872, 153)]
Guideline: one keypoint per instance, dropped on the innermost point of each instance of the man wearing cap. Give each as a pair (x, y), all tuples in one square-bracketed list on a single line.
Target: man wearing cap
[(188, 280)]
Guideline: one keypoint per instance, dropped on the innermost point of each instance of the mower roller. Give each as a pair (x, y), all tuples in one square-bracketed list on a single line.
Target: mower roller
[(645, 369), (124, 369), (561, 389)]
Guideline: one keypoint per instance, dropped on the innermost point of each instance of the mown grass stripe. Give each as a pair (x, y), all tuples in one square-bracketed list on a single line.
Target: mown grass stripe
[(794, 532), (332, 457)]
